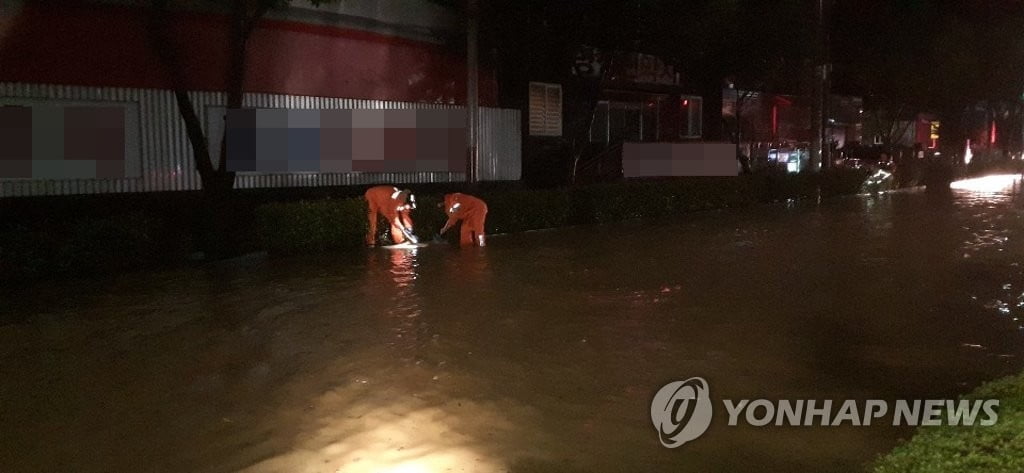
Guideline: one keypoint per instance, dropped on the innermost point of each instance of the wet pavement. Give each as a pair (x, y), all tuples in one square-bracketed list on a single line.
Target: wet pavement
[(539, 353)]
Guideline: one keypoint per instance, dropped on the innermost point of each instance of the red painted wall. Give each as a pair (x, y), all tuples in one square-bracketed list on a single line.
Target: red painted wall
[(107, 46)]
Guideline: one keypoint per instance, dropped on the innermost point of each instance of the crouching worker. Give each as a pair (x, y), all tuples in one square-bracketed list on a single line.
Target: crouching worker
[(471, 211), (394, 205)]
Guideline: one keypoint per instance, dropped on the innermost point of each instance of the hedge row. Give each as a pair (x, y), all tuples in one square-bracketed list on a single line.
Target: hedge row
[(107, 234), (88, 235), (341, 223), (997, 448), (85, 246)]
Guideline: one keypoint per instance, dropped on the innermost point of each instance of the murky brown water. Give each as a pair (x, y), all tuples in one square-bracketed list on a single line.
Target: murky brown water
[(539, 353)]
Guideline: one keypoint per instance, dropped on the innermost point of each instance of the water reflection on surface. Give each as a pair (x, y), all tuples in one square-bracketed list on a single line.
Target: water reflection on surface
[(538, 353)]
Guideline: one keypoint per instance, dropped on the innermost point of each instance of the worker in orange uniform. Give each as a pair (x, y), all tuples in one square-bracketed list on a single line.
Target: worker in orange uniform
[(395, 205), (471, 211)]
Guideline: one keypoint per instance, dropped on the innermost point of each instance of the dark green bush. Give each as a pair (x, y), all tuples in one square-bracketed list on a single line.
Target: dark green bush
[(87, 245), (316, 225), (22, 254), (85, 235), (977, 449), (843, 181), (778, 185), (341, 223), (533, 210), (656, 198), (109, 244)]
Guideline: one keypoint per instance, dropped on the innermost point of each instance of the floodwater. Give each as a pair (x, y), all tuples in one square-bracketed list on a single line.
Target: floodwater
[(539, 353)]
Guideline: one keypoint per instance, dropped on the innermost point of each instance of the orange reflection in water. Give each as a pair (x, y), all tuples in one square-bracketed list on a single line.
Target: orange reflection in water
[(403, 267)]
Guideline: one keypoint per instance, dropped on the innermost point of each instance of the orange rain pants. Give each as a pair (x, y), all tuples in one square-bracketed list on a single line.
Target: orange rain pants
[(389, 202), (472, 212)]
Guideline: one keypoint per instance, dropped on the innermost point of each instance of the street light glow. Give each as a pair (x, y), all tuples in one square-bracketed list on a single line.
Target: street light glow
[(987, 184)]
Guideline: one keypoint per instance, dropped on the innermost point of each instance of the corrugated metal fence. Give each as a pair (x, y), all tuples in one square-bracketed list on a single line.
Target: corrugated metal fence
[(166, 156)]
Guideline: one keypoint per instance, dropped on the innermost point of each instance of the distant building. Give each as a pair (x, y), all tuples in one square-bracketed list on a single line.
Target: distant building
[(776, 129), (642, 100), (914, 130), (612, 98)]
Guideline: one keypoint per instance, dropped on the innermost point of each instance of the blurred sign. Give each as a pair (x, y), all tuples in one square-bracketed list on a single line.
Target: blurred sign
[(644, 69), (679, 159), (68, 140), (345, 140)]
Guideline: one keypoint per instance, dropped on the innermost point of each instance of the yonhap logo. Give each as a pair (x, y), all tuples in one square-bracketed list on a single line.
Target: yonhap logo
[(681, 411)]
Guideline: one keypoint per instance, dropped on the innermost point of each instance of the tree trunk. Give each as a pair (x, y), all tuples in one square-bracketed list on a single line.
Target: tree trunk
[(166, 51), (213, 232), (239, 30)]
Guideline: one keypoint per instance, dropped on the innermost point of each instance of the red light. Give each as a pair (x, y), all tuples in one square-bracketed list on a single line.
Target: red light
[(775, 121), (686, 103)]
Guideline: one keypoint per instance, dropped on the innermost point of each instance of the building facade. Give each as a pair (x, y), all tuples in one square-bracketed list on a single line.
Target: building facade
[(389, 54), (776, 129)]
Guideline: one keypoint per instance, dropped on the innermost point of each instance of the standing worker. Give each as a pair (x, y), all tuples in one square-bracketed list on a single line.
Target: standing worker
[(472, 211), (395, 205)]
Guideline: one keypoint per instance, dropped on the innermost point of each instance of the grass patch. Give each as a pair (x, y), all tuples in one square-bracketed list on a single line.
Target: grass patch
[(958, 449)]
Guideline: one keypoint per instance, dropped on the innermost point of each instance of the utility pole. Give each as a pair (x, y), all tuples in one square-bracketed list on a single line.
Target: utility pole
[(472, 89), (820, 92), (1020, 104), (826, 83)]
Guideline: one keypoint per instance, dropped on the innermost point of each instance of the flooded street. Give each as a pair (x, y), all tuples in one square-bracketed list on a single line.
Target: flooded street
[(538, 353)]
